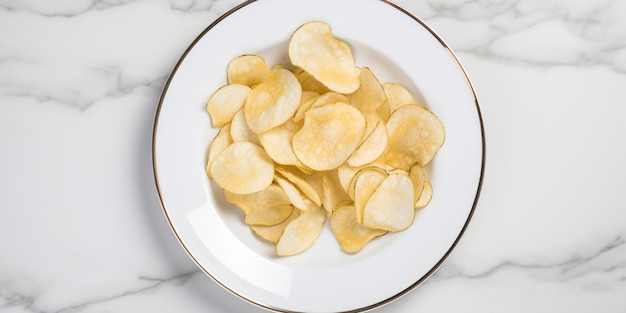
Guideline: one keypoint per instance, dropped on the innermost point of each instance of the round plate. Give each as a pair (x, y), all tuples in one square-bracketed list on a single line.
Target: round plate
[(397, 47)]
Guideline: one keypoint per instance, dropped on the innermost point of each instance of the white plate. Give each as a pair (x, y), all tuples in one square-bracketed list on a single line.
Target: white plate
[(398, 47)]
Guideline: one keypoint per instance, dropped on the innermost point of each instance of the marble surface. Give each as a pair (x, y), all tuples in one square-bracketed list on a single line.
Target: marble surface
[(81, 227)]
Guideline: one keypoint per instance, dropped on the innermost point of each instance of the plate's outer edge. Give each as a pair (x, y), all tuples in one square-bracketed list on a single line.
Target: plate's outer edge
[(375, 305)]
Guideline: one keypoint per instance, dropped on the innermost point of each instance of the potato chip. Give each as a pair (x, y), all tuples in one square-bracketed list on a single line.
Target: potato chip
[(308, 82), (239, 130), (225, 102), (329, 136), (345, 174), (292, 192), (370, 95), (273, 102), (313, 48), (351, 235), (397, 95), (302, 232), (220, 142), (418, 178), (299, 179), (277, 143), (392, 205), (415, 136), (333, 195), (249, 70), (373, 145), (366, 181), (242, 167), (269, 206), (426, 195), (272, 233)]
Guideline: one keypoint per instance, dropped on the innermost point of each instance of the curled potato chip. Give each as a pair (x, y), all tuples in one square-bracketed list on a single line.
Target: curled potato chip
[(397, 95), (392, 205), (345, 174), (277, 143), (351, 235), (415, 136), (220, 142), (292, 192), (239, 130), (329, 136), (313, 48), (225, 102), (249, 70), (426, 195), (302, 232), (299, 179), (242, 167), (273, 102), (418, 178), (370, 95), (269, 206), (333, 195), (373, 145), (366, 181), (308, 82), (272, 233)]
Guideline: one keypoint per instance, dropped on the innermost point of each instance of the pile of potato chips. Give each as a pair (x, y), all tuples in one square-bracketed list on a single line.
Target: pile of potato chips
[(320, 138)]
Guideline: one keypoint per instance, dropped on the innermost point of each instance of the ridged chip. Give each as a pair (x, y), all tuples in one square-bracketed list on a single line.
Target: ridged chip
[(243, 168), (313, 48), (351, 235), (302, 232), (329, 136), (273, 102), (249, 70), (225, 102), (415, 136), (392, 205)]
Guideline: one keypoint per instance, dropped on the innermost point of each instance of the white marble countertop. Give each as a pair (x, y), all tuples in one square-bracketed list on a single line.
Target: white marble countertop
[(82, 230)]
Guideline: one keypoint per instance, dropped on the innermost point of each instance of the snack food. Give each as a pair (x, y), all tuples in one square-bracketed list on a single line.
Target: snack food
[(317, 139)]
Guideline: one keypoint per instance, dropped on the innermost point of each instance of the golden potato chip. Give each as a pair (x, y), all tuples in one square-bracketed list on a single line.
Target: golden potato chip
[(239, 130), (272, 233), (249, 70), (313, 48), (302, 232), (242, 167), (308, 82), (366, 181), (225, 102), (273, 102), (220, 142), (346, 173), (292, 192), (299, 179), (333, 194), (370, 95), (392, 205), (373, 145), (418, 178), (329, 136), (277, 143), (397, 95), (351, 235), (269, 206), (415, 136), (426, 195)]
